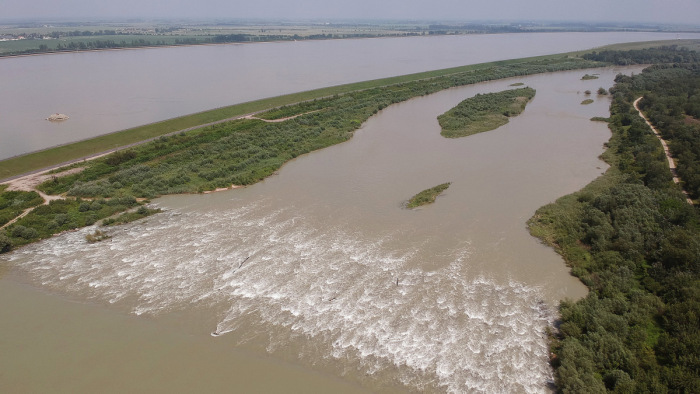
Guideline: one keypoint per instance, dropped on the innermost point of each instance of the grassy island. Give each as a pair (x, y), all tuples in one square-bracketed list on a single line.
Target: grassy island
[(587, 101), (427, 196), (588, 76), (484, 112)]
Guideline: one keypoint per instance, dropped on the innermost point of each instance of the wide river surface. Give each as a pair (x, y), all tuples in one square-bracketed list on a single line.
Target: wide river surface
[(316, 279), (108, 91)]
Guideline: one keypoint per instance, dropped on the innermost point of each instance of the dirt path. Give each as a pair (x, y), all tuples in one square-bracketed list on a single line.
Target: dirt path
[(671, 162), (28, 183), (251, 116)]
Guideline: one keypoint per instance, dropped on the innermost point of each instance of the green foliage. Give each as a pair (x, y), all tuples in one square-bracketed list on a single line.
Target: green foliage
[(588, 76), (484, 112), (64, 215), (5, 242), (427, 196), (587, 101), (663, 54), (672, 103), (13, 203), (634, 241)]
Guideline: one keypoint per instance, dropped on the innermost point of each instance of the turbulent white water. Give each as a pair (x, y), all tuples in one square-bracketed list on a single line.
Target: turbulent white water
[(438, 328)]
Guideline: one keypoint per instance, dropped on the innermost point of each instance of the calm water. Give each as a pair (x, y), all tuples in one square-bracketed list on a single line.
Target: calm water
[(317, 275), (113, 90)]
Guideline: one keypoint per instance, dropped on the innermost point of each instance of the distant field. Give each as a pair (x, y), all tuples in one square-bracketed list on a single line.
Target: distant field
[(131, 35), (126, 40)]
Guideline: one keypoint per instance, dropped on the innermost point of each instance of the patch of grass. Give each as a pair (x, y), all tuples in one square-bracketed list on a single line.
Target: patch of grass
[(484, 112), (427, 196), (13, 203), (517, 84), (588, 76), (587, 101)]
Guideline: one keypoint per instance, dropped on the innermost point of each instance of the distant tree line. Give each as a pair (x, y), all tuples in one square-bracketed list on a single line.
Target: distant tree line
[(664, 54)]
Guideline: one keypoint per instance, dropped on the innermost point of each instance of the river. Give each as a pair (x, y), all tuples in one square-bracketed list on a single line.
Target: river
[(107, 91), (316, 279)]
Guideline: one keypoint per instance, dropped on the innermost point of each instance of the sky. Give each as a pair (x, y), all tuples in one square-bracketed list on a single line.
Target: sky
[(642, 11)]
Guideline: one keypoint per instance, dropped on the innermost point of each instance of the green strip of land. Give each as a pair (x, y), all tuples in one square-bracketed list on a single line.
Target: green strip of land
[(484, 112), (427, 196), (78, 150)]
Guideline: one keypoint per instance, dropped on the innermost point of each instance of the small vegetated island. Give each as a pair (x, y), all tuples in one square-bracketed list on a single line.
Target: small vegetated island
[(427, 196), (484, 112)]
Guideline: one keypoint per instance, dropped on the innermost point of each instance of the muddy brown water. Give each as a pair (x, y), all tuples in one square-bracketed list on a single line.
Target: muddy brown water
[(316, 279)]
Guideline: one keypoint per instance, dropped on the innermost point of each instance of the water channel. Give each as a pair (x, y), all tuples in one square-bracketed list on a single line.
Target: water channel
[(106, 91), (316, 279)]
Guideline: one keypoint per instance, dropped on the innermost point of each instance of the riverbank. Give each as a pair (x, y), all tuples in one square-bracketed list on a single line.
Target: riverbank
[(632, 237)]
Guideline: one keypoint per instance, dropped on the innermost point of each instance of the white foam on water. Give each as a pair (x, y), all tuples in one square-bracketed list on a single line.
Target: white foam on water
[(442, 329)]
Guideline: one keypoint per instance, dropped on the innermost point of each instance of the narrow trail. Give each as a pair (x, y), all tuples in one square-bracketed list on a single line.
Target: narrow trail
[(29, 183), (252, 116), (671, 162)]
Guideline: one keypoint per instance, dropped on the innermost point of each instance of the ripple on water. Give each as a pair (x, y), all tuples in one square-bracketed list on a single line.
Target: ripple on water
[(436, 328)]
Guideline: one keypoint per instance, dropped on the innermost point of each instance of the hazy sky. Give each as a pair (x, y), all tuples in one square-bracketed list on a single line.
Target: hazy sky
[(655, 11)]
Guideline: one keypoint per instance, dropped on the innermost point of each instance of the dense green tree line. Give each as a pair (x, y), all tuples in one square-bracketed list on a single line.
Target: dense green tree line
[(664, 54), (635, 242), (673, 106), (244, 151)]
